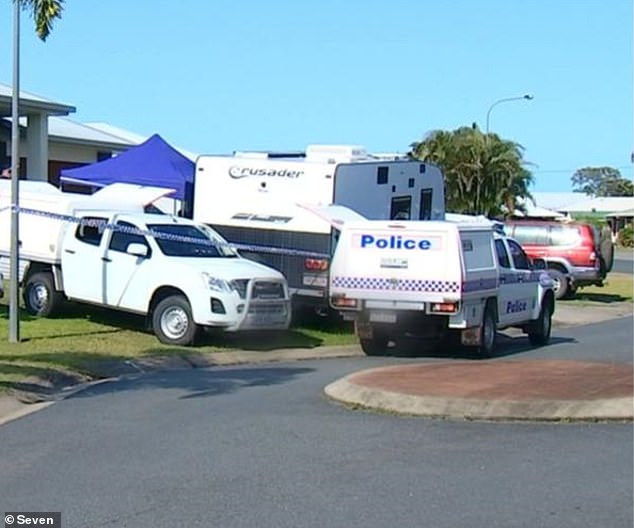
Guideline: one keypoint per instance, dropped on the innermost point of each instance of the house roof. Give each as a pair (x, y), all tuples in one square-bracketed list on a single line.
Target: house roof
[(30, 102), (557, 200), (626, 212), (581, 203), (134, 138), (602, 204), (67, 129)]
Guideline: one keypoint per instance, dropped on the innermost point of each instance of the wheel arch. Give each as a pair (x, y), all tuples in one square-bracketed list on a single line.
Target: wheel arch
[(558, 265), (38, 267), (549, 298), (162, 292), (493, 303)]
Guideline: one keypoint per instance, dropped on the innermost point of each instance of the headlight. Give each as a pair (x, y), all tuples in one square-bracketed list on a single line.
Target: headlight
[(215, 284)]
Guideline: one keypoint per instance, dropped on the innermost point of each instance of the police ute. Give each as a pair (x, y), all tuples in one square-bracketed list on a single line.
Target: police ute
[(436, 279)]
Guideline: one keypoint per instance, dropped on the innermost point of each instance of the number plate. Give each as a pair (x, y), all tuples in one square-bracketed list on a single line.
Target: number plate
[(315, 280), (383, 317)]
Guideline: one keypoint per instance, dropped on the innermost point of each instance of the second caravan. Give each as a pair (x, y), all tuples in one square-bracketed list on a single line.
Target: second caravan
[(282, 208)]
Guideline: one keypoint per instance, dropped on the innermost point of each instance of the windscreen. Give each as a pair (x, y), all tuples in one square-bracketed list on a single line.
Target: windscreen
[(178, 240)]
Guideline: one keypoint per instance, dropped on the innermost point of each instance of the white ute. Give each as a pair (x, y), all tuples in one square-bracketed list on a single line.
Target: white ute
[(180, 274), (432, 279)]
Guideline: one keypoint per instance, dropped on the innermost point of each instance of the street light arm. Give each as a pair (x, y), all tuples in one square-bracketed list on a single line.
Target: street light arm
[(528, 97)]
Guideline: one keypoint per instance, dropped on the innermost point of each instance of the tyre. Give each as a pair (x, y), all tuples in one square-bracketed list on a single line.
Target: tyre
[(607, 252), (572, 291), (488, 330), (173, 323), (539, 330), (40, 296), (560, 280), (375, 345)]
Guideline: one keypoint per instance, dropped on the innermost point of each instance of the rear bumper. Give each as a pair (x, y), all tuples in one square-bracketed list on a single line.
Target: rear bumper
[(582, 276)]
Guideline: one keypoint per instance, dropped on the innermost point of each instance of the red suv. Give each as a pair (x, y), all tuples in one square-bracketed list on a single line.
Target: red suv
[(576, 254)]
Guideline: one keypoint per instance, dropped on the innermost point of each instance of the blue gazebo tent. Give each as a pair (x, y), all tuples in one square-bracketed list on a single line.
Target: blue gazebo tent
[(154, 163)]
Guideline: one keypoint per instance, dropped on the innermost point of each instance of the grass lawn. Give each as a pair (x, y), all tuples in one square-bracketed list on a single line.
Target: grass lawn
[(618, 287), (83, 335)]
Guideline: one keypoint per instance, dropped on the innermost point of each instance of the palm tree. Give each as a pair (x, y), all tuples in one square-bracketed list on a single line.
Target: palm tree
[(484, 174), (43, 13)]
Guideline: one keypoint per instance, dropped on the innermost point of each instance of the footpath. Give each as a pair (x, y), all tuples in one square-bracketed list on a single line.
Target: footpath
[(472, 390)]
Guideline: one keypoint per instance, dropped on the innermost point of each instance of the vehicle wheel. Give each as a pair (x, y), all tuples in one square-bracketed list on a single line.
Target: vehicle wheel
[(539, 330), (488, 331), (375, 345), (572, 291), (560, 280), (40, 296), (173, 323), (607, 252)]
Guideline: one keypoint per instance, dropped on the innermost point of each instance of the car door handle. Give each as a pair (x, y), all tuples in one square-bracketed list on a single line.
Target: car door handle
[(71, 251), (520, 278), (106, 259)]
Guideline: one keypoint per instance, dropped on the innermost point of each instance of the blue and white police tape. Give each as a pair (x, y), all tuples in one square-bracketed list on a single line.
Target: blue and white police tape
[(205, 238)]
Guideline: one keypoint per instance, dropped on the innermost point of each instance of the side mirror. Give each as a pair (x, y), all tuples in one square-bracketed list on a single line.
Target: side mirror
[(539, 264), (136, 249)]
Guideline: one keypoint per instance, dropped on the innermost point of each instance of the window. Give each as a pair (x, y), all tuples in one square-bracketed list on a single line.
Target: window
[(534, 235), (381, 175), (425, 204), (401, 208), (503, 256), (477, 251), (121, 240), (182, 240), (564, 235), (90, 230), (520, 259)]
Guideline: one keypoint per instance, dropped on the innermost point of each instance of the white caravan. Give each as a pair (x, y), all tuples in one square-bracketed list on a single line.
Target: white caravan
[(265, 204)]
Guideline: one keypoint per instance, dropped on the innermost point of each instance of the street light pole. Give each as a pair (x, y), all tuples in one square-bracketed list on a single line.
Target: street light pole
[(14, 266), (528, 97)]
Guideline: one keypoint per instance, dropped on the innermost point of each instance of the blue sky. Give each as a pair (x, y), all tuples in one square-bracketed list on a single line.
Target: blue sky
[(224, 75)]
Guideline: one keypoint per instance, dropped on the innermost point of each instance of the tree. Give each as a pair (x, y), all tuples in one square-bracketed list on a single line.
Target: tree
[(601, 181), (44, 12), (484, 174)]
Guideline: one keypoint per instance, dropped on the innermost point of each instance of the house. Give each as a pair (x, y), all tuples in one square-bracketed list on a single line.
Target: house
[(50, 141), (617, 210)]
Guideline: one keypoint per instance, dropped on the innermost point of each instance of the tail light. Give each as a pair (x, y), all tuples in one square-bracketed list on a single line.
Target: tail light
[(343, 302), (451, 307), (314, 264)]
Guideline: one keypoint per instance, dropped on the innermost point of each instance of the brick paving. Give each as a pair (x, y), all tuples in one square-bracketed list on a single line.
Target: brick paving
[(500, 380)]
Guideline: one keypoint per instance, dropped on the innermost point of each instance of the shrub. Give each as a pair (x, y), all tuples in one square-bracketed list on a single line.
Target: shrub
[(626, 236)]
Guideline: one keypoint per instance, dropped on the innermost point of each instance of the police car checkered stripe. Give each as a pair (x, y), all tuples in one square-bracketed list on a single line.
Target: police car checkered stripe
[(435, 286), (375, 283)]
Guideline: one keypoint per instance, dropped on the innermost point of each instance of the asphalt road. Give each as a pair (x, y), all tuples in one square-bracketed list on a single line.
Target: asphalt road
[(623, 266), (261, 446), (623, 261)]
